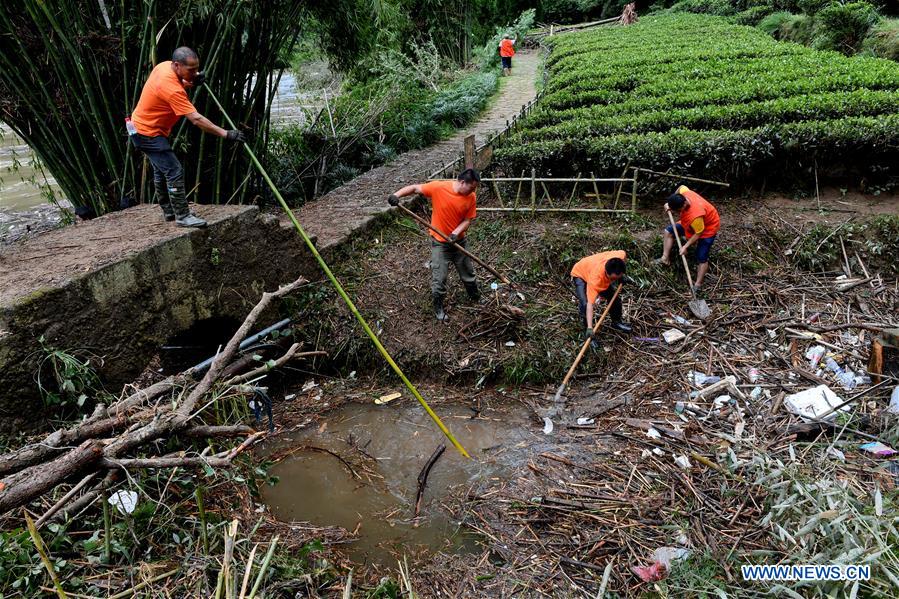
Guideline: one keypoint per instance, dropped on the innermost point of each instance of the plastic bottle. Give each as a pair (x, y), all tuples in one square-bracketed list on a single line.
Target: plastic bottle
[(847, 379), (129, 125), (814, 355)]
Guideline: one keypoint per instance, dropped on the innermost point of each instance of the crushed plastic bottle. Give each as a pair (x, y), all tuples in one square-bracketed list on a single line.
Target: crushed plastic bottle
[(129, 126), (846, 378), (814, 355), (701, 379)]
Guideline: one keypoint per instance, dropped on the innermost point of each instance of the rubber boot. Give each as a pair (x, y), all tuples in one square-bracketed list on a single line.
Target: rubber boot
[(474, 294), (183, 217), (162, 196), (439, 314)]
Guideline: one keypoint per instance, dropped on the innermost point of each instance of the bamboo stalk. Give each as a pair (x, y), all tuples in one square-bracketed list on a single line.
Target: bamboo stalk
[(343, 294), (264, 567), (45, 557)]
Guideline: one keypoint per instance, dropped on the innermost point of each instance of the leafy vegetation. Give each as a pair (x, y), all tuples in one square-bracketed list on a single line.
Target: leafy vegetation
[(696, 93)]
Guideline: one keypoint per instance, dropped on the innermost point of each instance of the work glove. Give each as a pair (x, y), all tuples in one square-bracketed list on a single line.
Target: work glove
[(588, 333), (236, 136), (393, 200), (199, 80), (453, 237)]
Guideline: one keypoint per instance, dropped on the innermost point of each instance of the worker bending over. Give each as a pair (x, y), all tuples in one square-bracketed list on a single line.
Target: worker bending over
[(699, 222), (595, 277), (162, 103), (453, 207)]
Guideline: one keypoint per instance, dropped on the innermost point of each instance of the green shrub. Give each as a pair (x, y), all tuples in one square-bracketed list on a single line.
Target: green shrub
[(798, 29), (883, 40), (811, 7), (772, 23), (708, 7), (753, 15), (843, 27)]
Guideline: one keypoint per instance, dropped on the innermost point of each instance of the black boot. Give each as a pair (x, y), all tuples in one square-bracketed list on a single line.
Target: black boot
[(439, 314), (474, 294)]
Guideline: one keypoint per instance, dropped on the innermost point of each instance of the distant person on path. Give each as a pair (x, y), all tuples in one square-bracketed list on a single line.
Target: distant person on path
[(454, 206), (162, 102), (506, 52), (595, 277), (699, 222)]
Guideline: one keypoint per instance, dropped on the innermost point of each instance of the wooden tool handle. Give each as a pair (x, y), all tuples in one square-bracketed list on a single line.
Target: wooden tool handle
[(682, 257), (586, 344), (460, 248)]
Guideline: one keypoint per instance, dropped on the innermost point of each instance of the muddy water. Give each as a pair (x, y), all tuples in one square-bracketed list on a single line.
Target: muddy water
[(393, 443)]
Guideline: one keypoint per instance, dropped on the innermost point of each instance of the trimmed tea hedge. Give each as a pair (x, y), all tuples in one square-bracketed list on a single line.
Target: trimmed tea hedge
[(696, 93)]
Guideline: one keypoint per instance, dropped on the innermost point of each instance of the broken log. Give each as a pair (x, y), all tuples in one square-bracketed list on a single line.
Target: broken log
[(423, 476)]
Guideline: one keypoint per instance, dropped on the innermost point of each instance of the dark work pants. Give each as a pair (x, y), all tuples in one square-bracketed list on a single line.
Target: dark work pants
[(168, 175), (444, 254), (580, 290)]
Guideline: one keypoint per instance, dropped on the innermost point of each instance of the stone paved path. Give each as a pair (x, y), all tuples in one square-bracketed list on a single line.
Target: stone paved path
[(340, 213)]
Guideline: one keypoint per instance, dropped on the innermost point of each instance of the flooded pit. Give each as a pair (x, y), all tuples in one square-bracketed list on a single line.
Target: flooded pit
[(386, 447)]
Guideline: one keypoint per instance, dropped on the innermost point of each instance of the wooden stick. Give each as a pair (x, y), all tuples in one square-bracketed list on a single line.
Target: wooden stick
[(676, 176), (550, 210), (423, 475), (586, 344), (456, 245), (679, 249)]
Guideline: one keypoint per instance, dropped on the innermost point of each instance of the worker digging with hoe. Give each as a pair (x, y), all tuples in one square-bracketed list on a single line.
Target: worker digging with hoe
[(699, 222), (595, 277), (453, 207), (162, 102), (506, 52)]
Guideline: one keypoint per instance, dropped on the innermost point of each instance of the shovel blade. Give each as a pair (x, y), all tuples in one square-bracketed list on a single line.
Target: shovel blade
[(700, 309)]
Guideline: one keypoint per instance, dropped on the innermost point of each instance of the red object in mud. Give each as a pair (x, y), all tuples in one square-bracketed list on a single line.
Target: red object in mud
[(652, 573)]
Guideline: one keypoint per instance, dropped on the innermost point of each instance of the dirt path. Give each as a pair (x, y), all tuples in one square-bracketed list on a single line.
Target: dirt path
[(337, 214)]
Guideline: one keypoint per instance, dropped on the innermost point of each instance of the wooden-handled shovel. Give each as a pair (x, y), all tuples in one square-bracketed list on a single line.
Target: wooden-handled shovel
[(698, 307), (586, 344), (486, 266)]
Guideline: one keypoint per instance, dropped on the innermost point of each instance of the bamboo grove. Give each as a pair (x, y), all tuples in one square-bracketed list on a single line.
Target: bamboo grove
[(71, 71)]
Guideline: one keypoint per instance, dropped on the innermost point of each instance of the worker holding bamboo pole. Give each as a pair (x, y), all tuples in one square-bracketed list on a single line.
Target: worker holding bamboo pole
[(699, 223), (596, 277), (454, 206), (162, 102)]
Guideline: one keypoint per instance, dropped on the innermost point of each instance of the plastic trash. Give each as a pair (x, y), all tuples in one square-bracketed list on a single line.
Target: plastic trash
[(845, 377), (585, 421), (124, 501), (754, 375), (673, 336), (814, 355), (756, 393), (682, 461), (681, 320), (547, 426), (701, 379), (814, 403), (494, 286), (894, 401), (878, 449), (653, 433)]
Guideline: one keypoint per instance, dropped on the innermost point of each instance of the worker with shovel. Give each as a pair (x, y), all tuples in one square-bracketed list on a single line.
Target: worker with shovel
[(699, 223), (453, 208), (595, 277), (162, 102)]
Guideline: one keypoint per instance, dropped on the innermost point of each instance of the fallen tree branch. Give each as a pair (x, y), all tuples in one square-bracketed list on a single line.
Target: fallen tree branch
[(423, 476), (268, 367)]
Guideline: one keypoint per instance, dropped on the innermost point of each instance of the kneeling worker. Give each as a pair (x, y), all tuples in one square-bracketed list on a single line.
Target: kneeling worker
[(699, 222), (453, 208), (593, 277)]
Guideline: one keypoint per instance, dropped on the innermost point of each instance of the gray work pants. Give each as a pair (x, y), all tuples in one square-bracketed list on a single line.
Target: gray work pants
[(442, 254)]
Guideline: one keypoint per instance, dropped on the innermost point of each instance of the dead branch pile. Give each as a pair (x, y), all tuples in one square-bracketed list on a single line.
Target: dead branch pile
[(132, 433)]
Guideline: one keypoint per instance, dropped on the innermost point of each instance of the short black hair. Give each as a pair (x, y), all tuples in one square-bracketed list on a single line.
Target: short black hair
[(183, 54), (470, 175), (615, 266), (676, 201)]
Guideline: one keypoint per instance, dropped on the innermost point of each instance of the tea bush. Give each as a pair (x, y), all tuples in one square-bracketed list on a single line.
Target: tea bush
[(696, 93)]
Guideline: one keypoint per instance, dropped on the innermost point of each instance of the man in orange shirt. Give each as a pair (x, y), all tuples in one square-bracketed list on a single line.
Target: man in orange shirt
[(595, 277), (454, 206), (162, 102), (699, 222), (506, 52)]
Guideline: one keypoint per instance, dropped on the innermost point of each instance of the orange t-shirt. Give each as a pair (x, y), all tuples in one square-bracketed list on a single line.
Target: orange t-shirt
[(449, 208), (593, 270), (699, 208), (162, 102), (507, 48)]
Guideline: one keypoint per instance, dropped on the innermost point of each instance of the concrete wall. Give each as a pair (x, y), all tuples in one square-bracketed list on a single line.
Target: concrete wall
[(123, 311)]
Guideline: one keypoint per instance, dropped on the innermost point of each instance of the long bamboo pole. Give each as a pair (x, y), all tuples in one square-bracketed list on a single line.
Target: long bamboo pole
[(456, 245), (586, 344), (340, 290)]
